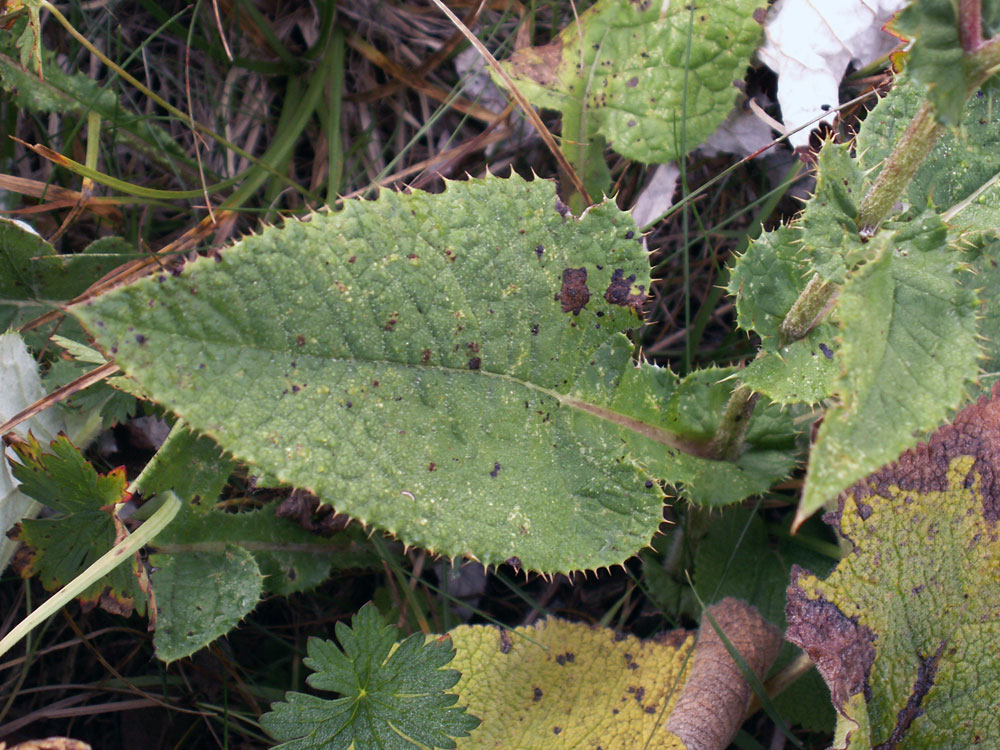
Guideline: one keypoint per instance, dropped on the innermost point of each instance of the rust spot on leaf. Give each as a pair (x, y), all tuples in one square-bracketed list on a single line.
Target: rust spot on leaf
[(538, 64), (620, 293), (574, 294), (475, 363), (425, 356)]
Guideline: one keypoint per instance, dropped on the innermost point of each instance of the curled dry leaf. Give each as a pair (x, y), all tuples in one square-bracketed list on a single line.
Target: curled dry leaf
[(711, 707)]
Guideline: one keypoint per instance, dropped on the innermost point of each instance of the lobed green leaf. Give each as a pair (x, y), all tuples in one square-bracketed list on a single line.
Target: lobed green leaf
[(391, 698)]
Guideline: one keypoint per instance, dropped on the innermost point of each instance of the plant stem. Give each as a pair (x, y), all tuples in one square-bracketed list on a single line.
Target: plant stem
[(114, 557), (727, 444), (970, 24), (812, 303), (904, 161), (982, 59)]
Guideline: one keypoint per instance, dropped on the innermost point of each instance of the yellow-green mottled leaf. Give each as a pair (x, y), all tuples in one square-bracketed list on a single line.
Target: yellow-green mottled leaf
[(625, 68), (905, 629), (568, 685)]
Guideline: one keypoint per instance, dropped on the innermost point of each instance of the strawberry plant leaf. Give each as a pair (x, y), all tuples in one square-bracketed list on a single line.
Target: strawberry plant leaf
[(392, 698), (447, 367), (58, 548), (908, 350), (904, 629), (561, 685), (626, 67)]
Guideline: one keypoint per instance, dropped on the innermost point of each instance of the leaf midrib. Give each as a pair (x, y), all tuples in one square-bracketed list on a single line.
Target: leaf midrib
[(661, 435)]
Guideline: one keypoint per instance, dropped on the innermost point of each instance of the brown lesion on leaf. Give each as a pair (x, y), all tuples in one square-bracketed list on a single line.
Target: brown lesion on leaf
[(975, 432), (574, 294), (538, 64), (620, 291), (921, 686), (842, 649)]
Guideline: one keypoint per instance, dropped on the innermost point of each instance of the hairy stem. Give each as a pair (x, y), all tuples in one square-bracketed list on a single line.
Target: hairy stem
[(811, 305), (904, 161), (727, 444), (970, 24)]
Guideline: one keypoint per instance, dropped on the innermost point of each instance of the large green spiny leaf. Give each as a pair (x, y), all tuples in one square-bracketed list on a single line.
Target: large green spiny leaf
[(445, 367)]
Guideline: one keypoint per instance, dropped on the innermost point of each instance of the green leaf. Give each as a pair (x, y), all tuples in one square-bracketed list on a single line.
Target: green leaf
[(904, 630), (770, 276), (802, 372), (114, 406), (291, 558), (447, 367), (960, 173), (984, 280), (190, 465), (210, 567), (392, 698), (20, 386), (33, 277), (58, 548), (29, 40), (200, 596), (936, 59), (47, 88), (823, 239), (767, 279), (907, 352), (654, 79)]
